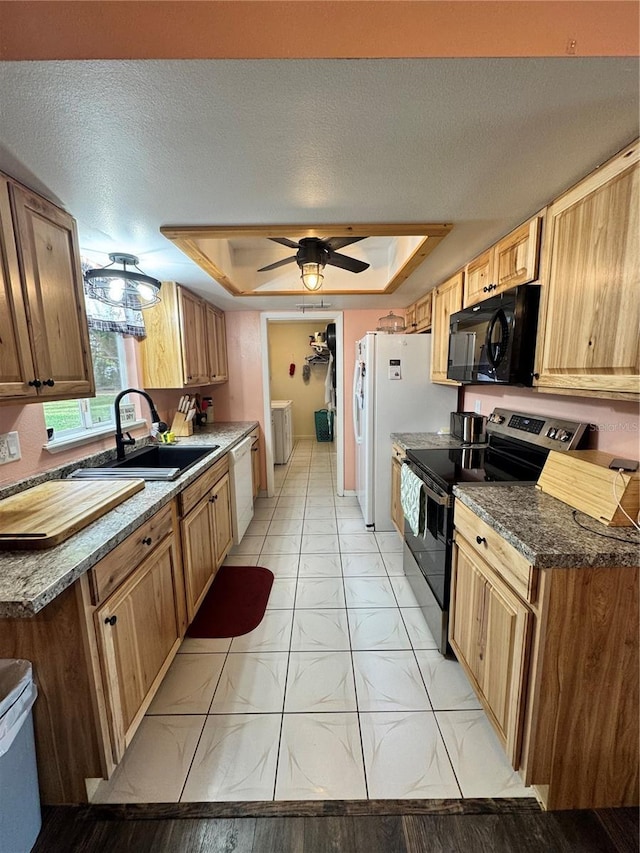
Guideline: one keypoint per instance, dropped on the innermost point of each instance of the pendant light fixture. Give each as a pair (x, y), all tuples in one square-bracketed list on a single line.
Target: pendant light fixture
[(122, 287), (312, 276)]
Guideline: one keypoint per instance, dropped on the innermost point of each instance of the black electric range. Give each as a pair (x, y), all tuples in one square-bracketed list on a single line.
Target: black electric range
[(516, 450)]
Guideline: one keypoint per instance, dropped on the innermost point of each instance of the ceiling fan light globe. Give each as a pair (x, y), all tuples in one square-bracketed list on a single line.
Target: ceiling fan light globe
[(312, 276)]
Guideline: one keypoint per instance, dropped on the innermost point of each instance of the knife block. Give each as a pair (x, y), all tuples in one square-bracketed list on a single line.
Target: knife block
[(180, 426)]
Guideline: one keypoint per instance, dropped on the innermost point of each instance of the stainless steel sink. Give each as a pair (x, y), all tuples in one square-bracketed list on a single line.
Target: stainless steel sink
[(160, 462)]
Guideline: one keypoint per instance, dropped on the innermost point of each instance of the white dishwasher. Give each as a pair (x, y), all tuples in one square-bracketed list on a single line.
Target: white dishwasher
[(241, 488)]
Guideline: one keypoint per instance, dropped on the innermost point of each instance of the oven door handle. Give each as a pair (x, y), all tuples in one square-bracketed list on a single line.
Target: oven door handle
[(441, 500)]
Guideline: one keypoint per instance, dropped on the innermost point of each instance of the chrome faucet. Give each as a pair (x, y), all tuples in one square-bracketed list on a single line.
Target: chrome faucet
[(121, 441)]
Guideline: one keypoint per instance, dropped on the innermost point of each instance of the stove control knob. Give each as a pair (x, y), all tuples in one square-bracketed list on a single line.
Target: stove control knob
[(551, 432), (563, 435)]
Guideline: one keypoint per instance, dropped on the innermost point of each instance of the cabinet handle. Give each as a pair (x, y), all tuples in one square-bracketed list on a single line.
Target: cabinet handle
[(254, 449), (480, 540), (213, 499), (147, 540), (49, 382), (111, 620), (35, 383), (485, 289)]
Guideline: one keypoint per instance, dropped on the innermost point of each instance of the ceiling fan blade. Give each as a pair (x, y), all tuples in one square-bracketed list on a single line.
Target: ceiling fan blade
[(285, 241), (346, 263), (277, 264), (334, 243)]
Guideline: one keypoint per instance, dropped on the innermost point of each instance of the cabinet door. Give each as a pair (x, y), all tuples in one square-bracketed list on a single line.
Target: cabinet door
[(194, 350), (49, 256), (516, 256), (255, 468), (489, 632), (478, 278), (590, 312), (198, 553), (423, 313), (16, 362), (467, 615), (211, 331), (447, 299), (223, 535), (221, 342), (410, 319), (397, 516), (138, 633)]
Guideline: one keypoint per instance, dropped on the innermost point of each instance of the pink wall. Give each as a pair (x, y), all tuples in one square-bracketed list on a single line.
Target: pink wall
[(616, 422)]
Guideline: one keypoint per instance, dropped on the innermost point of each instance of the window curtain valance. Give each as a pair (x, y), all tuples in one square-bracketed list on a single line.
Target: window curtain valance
[(110, 318)]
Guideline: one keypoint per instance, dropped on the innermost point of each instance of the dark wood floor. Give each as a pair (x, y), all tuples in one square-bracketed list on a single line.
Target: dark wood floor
[(426, 829)]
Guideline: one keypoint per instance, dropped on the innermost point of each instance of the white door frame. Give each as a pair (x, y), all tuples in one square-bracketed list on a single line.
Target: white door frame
[(298, 317)]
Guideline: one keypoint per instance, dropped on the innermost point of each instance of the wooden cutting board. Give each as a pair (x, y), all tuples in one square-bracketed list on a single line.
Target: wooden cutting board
[(47, 514)]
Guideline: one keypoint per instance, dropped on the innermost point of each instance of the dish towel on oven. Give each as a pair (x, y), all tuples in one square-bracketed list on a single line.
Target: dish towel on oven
[(411, 499)]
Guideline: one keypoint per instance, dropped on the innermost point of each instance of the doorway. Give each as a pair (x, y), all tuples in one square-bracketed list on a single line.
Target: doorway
[(319, 319)]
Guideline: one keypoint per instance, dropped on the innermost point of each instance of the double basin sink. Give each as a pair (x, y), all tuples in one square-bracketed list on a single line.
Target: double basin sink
[(160, 462)]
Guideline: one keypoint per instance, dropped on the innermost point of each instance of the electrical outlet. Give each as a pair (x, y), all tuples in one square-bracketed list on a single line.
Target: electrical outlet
[(478, 407), (9, 448)]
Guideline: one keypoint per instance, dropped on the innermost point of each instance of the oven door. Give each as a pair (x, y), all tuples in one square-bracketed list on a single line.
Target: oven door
[(427, 560)]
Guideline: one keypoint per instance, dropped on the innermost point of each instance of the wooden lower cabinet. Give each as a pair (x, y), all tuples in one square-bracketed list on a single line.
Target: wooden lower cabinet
[(489, 634), (552, 654), (397, 515), (206, 537), (138, 632)]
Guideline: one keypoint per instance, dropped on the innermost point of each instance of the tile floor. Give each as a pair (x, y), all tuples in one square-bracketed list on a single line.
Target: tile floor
[(339, 693)]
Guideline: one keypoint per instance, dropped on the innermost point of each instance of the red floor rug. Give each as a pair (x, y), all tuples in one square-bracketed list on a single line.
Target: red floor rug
[(235, 603)]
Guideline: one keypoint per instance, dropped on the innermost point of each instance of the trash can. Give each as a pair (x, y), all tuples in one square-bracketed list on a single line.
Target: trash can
[(20, 801), (324, 425)]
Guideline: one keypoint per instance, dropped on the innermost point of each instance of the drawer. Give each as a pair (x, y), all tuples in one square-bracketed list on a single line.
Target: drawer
[(109, 573), (501, 556), (397, 452), (194, 493)]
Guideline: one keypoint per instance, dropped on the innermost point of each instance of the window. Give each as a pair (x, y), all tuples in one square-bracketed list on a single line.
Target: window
[(74, 417)]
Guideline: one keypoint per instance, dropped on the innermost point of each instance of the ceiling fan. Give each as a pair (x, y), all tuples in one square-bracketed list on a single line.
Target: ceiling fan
[(314, 254)]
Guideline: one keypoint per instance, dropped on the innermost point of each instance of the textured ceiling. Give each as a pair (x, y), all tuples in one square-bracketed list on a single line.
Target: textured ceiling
[(128, 146)]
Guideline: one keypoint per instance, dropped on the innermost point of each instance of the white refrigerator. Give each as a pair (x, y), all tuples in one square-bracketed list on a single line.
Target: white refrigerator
[(392, 392)]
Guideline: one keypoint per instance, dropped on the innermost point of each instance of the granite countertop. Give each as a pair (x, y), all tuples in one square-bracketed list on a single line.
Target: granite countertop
[(423, 440), (29, 580), (544, 531)]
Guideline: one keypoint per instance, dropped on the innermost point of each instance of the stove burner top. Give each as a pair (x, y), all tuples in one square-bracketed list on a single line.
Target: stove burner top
[(448, 466)]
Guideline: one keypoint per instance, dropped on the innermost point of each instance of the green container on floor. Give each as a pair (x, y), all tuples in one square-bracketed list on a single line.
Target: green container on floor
[(324, 425)]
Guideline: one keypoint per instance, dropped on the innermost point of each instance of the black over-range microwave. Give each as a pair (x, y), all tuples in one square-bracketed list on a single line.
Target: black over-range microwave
[(495, 340)]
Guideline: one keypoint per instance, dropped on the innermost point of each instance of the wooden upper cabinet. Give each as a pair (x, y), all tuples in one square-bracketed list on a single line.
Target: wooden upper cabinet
[(512, 261), (16, 362), (423, 313), (478, 278), (44, 349), (211, 328), (181, 348), (221, 347), (590, 313), (410, 319), (194, 346), (447, 299)]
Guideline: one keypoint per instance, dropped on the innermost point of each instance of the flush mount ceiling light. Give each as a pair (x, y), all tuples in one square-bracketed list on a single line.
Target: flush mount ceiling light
[(123, 287), (314, 254)]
